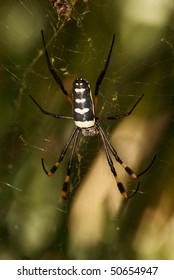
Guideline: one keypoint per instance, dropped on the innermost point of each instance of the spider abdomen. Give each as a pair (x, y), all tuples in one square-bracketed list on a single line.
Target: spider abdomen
[(82, 104)]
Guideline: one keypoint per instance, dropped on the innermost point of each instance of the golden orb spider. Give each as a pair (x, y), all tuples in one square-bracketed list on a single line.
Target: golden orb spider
[(86, 122)]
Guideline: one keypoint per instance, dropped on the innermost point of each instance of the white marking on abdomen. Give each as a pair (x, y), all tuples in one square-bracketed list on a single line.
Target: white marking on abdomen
[(80, 100), (81, 90), (85, 124), (81, 111)]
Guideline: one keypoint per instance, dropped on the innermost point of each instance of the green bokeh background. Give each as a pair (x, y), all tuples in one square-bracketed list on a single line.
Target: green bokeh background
[(34, 222)]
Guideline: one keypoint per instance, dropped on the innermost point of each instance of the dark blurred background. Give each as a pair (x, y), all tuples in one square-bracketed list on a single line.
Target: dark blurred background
[(95, 223)]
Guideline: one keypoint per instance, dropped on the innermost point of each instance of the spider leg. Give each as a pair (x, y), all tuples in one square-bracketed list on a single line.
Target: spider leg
[(56, 165), (123, 114), (64, 191), (110, 162), (102, 74), (48, 113), (127, 169), (134, 192), (149, 166), (53, 71)]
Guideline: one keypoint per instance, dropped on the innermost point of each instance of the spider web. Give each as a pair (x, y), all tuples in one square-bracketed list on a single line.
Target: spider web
[(34, 219)]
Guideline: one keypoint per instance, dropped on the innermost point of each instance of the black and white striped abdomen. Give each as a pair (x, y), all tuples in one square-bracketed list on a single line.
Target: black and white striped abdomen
[(82, 102)]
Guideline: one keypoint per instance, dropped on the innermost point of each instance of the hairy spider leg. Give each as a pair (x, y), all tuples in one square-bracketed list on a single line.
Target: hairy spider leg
[(53, 71), (110, 162), (48, 113), (102, 74), (127, 169), (64, 192), (123, 114), (63, 153), (149, 166)]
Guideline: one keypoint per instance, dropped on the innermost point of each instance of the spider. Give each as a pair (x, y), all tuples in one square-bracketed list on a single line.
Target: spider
[(87, 123)]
